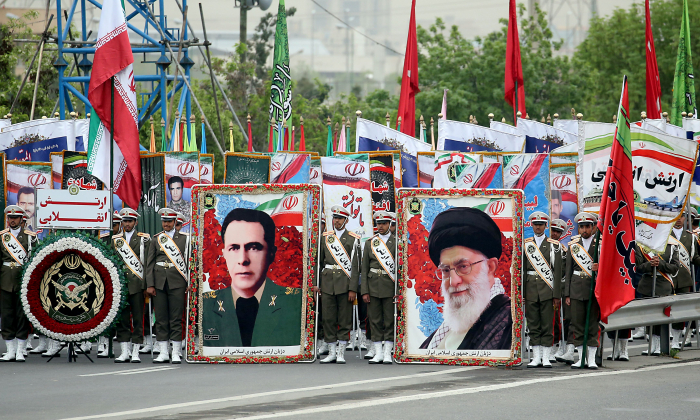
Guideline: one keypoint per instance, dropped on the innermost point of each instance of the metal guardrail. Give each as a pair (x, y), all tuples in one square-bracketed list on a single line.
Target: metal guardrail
[(650, 311)]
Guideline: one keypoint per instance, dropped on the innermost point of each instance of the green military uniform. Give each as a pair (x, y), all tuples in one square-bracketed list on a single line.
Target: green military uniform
[(136, 301), (170, 285), (14, 321), (381, 289), (335, 285), (668, 267), (577, 287), (688, 257), (277, 317), (566, 309), (538, 294)]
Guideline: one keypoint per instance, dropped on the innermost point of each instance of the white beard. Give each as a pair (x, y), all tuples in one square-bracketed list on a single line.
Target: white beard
[(462, 312)]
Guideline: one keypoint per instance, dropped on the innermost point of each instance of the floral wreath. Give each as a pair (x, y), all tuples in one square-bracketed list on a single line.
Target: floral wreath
[(100, 264)]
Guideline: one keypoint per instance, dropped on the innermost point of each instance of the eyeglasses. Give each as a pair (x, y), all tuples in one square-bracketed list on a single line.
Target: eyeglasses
[(463, 268)]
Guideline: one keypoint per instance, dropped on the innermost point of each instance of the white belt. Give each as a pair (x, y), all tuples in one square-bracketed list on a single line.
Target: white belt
[(165, 264), (532, 273), (333, 267), (12, 264), (581, 274), (377, 271)]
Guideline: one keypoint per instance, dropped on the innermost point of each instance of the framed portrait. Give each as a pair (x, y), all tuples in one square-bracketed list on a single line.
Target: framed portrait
[(181, 173), (254, 251), (471, 238)]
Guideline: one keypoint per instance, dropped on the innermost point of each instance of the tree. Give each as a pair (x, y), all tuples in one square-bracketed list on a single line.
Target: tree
[(615, 46), (474, 71)]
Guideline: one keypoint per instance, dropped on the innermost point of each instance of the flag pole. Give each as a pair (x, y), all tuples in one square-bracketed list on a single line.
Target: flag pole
[(110, 351), (515, 112), (584, 350)]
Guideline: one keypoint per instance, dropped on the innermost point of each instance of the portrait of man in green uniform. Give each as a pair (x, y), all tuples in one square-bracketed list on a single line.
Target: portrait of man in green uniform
[(253, 311)]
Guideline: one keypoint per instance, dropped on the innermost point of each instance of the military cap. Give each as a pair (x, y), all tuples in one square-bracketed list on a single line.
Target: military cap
[(116, 217), (539, 217), (584, 217), (180, 218), (167, 214), (129, 214), (558, 224), (339, 211), (14, 210), (383, 216)]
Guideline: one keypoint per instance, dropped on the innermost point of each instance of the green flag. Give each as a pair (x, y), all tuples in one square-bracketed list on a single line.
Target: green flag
[(281, 87), (683, 81), (329, 142)]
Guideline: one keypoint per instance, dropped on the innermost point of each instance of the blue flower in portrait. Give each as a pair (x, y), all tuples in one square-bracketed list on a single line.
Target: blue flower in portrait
[(226, 203), (431, 208), (430, 316)]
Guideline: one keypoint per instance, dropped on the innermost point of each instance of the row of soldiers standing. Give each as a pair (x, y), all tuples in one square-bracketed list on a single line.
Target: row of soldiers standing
[(345, 269)]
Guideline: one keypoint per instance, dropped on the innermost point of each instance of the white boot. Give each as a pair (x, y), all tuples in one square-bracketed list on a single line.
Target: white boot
[(53, 349), (362, 341), (615, 355), (124, 355), (378, 353), (11, 353), (591, 357), (536, 360), (353, 341), (623, 351), (388, 352), (42, 347), (638, 333), (322, 348), (655, 346), (371, 352), (560, 350), (676, 343), (340, 354), (580, 353), (103, 348), (86, 347), (546, 351), (148, 341), (177, 347), (21, 350), (135, 354), (163, 356), (30, 346), (331, 358), (568, 356)]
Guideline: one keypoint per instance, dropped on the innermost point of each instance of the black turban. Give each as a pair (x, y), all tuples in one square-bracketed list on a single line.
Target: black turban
[(464, 226)]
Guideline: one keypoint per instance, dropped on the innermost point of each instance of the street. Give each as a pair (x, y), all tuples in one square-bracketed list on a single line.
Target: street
[(645, 387)]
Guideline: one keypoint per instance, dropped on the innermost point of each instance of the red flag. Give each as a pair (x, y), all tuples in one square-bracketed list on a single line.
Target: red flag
[(514, 67), (302, 140), (616, 223), (269, 145), (250, 135), (653, 82), (409, 81)]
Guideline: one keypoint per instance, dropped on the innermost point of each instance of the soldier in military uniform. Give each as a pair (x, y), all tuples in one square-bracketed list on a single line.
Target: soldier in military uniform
[(103, 340), (541, 288), (16, 247), (580, 265), (558, 228), (339, 252), (166, 280), (131, 245), (667, 267), (688, 255), (378, 271)]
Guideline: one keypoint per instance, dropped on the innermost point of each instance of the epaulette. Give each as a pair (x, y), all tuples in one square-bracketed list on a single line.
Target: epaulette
[(354, 235), (574, 239), (29, 232), (184, 233), (4, 231), (209, 295), (530, 240), (119, 235), (143, 234), (553, 241), (104, 235), (327, 233)]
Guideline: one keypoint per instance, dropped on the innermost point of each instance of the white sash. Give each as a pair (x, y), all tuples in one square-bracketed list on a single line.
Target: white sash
[(534, 255), (168, 246), (683, 255), (129, 256), (12, 245), (582, 258), (340, 255), (380, 250)]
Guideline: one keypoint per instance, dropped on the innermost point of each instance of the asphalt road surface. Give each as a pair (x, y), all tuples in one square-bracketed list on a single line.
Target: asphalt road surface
[(645, 387)]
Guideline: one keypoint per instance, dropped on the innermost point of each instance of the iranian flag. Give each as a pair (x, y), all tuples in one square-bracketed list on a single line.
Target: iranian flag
[(285, 211), (616, 225), (114, 61)]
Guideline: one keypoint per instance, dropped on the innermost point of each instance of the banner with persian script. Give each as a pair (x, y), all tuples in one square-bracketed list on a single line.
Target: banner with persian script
[(34, 141), (75, 172), (22, 179), (152, 192), (381, 171), (543, 138), (346, 183)]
